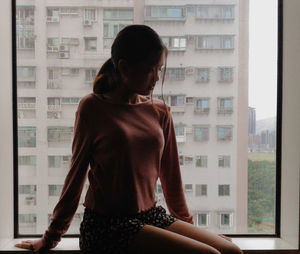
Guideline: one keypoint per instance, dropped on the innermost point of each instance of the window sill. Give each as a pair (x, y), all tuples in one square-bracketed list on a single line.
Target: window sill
[(248, 245)]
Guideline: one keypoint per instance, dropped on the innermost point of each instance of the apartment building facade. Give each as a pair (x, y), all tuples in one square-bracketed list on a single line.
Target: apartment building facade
[(60, 48)]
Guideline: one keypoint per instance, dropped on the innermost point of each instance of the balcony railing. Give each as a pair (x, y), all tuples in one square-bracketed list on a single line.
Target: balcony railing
[(54, 107), (225, 111), (204, 111), (22, 105), (181, 139), (53, 84), (178, 109)]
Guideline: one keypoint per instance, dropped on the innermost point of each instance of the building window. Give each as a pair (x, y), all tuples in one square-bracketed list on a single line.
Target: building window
[(90, 14), (70, 41), (202, 105), (225, 74), (219, 12), (53, 44), (224, 161), (69, 11), (201, 190), (201, 161), (215, 42), (202, 219), (27, 218), (175, 43), (202, 75), (70, 100), (54, 103), (26, 73), (25, 37), (26, 102), (225, 219), (27, 189), (225, 105), (180, 132), (185, 160), (54, 189), (175, 74), (53, 15), (188, 188), (90, 75), (27, 160), (224, 190), (54, 161), (126, 14), (113, 22), (90, 43), (177, 100), (224, 133), (201, 133), (26, 136), (58, 134), (165, 13)]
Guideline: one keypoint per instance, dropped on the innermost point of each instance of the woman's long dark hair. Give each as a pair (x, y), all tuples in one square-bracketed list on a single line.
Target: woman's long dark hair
[(135, 44)]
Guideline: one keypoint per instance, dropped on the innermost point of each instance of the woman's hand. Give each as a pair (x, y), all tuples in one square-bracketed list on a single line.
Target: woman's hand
[(36, 246), (225, 237)]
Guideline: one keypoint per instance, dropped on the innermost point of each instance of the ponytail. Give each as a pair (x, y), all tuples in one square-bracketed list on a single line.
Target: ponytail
[(106, 79)]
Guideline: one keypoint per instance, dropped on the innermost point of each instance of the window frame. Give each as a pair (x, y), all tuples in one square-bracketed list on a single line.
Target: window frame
[(290, 79)]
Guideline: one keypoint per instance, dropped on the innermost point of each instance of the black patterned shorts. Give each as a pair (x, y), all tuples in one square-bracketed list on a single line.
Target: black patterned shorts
[(113, 234)]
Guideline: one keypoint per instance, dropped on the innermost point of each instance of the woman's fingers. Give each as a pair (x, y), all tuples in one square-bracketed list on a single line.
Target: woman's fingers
[(226, 237), (25, 245)]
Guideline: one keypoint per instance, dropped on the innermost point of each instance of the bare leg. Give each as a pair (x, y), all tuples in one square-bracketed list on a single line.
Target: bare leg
[(151, 239), (204, 236)]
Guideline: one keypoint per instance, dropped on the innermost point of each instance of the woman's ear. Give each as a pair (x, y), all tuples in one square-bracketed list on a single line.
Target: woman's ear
[(123, 69)]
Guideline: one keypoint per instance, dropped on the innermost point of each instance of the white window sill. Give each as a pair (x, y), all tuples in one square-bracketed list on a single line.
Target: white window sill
[(71, 244)]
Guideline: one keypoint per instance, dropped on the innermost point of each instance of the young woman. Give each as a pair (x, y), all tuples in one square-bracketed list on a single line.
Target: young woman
[(127, 141)]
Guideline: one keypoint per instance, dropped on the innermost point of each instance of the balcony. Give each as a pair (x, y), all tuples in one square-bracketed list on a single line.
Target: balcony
[(25, 78), (202, 111), (23, 105), (53, 84), (53, 19), (54, 107), (178, 109), (181, 139), (225, 111)]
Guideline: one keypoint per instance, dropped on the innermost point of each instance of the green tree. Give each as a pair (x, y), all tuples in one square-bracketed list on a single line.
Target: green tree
[(261, 192)]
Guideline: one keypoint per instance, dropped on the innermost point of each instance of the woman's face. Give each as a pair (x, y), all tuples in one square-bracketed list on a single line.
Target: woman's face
[(142, 78)]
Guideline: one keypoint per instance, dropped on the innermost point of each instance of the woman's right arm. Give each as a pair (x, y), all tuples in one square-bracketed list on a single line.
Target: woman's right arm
[(72, 189)]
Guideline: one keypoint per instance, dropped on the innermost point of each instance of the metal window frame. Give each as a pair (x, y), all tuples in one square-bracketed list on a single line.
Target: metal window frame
[(278, 134)]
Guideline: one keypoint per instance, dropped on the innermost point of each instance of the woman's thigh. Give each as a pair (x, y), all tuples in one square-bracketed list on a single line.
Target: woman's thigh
[(186, 229), (151, 239)]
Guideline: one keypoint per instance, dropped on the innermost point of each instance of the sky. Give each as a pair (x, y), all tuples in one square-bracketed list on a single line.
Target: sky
[(263, 57)]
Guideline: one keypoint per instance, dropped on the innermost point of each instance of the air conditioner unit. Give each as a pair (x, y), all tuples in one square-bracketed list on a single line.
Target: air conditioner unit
[(189, 70), (56, 115), (64, 55), (63, 48), (87, 22)]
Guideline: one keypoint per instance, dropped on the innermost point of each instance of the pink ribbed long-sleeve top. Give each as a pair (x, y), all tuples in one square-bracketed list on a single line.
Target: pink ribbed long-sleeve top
[(123, 149)]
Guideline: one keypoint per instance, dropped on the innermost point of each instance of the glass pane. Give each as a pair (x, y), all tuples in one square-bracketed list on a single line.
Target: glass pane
[(210, 77)]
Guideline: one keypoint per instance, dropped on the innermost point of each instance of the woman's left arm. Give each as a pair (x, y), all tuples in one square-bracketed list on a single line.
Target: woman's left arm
[(170, 175)]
